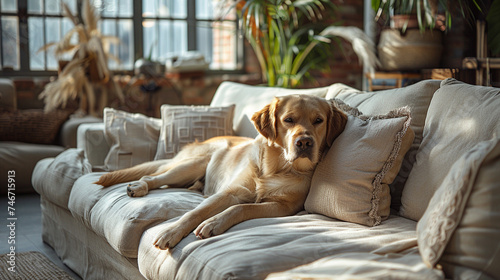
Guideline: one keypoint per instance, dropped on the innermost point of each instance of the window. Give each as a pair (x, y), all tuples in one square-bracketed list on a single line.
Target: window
[(159, 30), (10, 35)]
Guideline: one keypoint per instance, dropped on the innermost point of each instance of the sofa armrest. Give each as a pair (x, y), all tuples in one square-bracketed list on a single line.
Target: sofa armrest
[(67, 135), (90, 138)]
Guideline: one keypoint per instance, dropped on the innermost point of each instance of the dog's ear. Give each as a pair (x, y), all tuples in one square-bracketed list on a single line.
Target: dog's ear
[(336, 123), (265, 121)]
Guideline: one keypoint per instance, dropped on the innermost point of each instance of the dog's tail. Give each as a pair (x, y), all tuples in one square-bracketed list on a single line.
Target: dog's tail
[(130, 174)]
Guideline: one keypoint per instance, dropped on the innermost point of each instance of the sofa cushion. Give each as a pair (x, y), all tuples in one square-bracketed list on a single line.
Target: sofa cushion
[(121, 219), (459, 117), (182, 125), (53, 178), (462, 231), (351, 181), (250, 99), (417, 97), (446, 207), (406, 265), (22, 158), (255, 248), (133, 138), (32, 126)]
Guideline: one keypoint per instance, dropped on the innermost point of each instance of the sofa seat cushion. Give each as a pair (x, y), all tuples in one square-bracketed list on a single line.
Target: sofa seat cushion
[(255, 248), (111, 213), (407, 265), (22, 158)]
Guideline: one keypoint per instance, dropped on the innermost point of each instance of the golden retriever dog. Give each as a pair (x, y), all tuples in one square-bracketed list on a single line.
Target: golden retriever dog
[(243, 178)]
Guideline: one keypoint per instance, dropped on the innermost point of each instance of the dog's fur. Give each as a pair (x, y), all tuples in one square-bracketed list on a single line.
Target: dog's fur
[(268, 176)]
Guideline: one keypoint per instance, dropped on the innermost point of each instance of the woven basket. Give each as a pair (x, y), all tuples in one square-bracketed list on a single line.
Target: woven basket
[(413, 50)]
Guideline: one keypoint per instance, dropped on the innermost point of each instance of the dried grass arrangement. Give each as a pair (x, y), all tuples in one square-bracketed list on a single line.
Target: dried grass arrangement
[(87, 69)]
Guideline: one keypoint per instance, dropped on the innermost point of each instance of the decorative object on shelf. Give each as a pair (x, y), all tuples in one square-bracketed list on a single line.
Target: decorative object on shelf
[(413, 50), (87, 69), (434, 15), (289, 38)]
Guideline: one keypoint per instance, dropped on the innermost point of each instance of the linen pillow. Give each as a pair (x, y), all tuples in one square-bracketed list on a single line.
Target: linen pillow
[(438, 224), (417, 97), (133, 138), (459, 117), (351, 181), (473, 251), (53, 178), (182, 125)]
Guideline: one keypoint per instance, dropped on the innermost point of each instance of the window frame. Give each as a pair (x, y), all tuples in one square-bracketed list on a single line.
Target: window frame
[(137, 19)]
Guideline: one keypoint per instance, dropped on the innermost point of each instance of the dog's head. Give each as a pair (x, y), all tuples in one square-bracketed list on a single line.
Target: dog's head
[(303, 125)]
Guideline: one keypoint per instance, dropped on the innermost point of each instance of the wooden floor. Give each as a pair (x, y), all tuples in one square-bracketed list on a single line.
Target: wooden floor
[(28, 231)]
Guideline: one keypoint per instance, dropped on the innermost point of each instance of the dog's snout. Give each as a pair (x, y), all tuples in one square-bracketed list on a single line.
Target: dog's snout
[(304, 143)]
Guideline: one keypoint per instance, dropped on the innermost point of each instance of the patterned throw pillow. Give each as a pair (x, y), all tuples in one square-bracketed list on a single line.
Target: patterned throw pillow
[(32, 126), (182, 125)]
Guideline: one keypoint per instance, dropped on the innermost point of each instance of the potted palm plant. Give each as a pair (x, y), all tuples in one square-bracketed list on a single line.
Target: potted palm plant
[(290, 37)]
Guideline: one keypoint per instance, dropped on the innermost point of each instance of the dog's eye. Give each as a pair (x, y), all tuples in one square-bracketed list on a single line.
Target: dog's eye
[(288, 120), (318, 121)]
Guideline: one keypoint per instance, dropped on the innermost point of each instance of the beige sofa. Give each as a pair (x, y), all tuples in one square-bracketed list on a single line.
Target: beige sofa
[(29, 135), (444, 197)]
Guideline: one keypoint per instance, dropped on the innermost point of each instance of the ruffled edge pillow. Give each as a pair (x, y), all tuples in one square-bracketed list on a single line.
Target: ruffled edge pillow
[(182, 125), (445, 210), (351, 181)]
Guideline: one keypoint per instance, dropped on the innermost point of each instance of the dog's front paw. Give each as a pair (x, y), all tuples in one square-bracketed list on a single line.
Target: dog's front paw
[(137, 188), (209, 228), (168, 238)]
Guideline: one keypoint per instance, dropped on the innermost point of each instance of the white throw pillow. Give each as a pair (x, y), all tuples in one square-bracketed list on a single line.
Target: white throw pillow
[(133, 138), (182, 125)]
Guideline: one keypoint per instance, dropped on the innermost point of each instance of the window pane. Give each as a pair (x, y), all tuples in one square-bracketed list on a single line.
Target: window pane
[(179, 8), (52, 31), (35, 6), (9, 6), (204, 9), (52, 7), (71, 5), (150, 39), (149, 8), (205, 40), (108, 28), (110, 8), (165, 43), (179, 40), (36, 33), (164, 8), (10, 42), (224, 47), (125, 8), (126, 47)]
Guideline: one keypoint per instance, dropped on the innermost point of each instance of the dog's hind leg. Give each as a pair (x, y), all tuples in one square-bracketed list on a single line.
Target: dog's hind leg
[(183, 173)]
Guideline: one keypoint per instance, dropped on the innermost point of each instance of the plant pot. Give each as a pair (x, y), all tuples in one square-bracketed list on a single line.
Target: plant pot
[(414, 50), (404, 21)]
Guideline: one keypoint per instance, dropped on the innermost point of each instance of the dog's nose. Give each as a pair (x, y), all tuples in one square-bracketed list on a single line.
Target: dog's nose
[(304, 143)]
